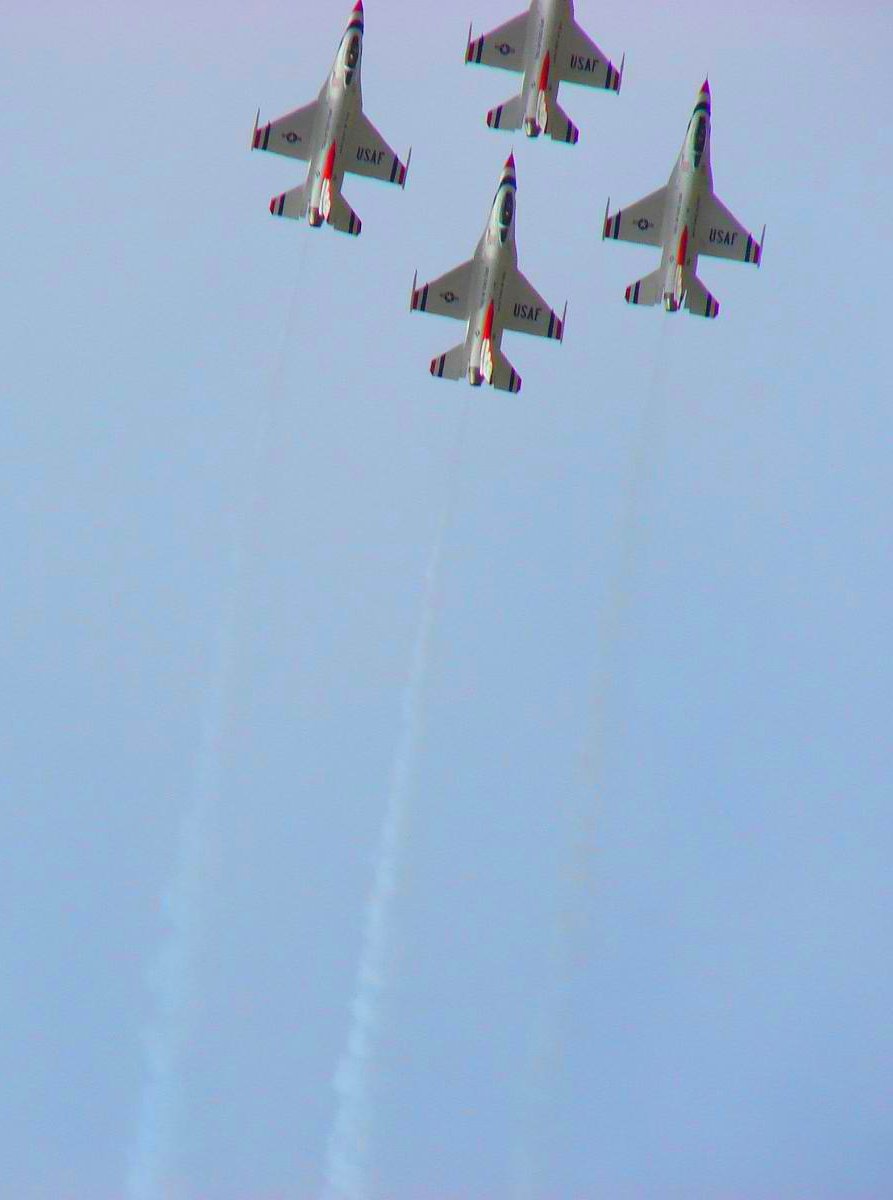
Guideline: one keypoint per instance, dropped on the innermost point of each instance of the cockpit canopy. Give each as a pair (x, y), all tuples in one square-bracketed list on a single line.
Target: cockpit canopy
[(351, 58), (506, 212)]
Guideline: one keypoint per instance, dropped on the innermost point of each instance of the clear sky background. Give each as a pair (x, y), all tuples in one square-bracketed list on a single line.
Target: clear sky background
[(640, 944)]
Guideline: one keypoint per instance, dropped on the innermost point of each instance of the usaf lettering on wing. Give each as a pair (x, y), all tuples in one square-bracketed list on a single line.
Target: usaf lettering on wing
[(723, 237), (365, 154), (580, 63), (528, 312)]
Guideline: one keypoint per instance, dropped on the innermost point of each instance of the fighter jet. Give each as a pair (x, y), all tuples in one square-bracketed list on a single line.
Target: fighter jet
[(333, 136), (547, 46), (685, 219), (491, 294)]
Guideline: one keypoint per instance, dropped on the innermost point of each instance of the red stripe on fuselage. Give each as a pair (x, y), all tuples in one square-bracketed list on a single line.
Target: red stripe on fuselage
[(544, 73), (329, 164), (683, 248), (488, 322)]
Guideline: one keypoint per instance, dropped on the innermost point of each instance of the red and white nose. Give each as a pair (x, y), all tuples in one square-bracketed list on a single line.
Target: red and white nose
[(356, 19)]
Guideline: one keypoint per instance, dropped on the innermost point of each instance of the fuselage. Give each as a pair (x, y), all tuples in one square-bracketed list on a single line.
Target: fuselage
[(690, 182), (495, 258), (545, 28), (340, 100)]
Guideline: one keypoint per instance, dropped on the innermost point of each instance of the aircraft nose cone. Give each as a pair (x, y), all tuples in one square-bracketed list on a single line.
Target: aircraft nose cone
[(705, 87), (358, 7), (510, 162)]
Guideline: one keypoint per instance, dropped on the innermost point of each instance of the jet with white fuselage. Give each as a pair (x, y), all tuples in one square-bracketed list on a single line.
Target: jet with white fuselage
[(333, 136), (492, 296), (686, 219), (548, 47)]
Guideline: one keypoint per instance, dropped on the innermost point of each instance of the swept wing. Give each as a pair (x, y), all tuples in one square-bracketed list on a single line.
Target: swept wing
[(641, 222), (447, 296), (367, 153), (291, 135), (720, 235), (525, 311), (583, 62), (501, 47)]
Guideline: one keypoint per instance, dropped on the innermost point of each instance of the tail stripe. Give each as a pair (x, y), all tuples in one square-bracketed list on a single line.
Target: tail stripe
[(424, 303), (636, 294), (551, 324), (394, 166), (266, 137)]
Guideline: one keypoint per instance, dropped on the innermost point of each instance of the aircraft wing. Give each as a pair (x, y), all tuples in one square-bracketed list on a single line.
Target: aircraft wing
[(641, 222), (291, 135), (527, 312), (720, 235), (501, 47), (447, 296), (367, 153), (583, 62)]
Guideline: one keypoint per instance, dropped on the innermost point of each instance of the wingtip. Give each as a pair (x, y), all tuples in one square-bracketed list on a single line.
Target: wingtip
[(253, 145), (406, 169), (563, 323)]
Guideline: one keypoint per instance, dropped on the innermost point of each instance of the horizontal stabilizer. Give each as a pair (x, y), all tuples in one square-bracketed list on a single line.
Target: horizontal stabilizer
[(646, 290), (290, 204), (560, 127), (342, 217), (508, 115), (452, 365), (504, 376), (698, 300)]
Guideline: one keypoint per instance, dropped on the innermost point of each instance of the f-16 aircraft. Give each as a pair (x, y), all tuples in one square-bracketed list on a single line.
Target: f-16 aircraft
[(333, 136), (686, 219), (490, 293), (548, 47)]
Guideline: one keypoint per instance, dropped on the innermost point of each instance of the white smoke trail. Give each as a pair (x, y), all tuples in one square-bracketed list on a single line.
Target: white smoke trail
[(545, 1047), (171, 974), (349, 1141)]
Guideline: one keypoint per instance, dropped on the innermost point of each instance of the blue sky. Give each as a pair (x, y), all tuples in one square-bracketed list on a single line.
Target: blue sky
[(640, 943)]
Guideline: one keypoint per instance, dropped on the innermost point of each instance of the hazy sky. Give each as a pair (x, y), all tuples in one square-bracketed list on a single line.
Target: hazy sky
[(633, 936)]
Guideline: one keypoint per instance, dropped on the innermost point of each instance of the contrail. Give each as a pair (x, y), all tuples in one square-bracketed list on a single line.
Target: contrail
[(171, 974), (545, 1047), (349, 1141)]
